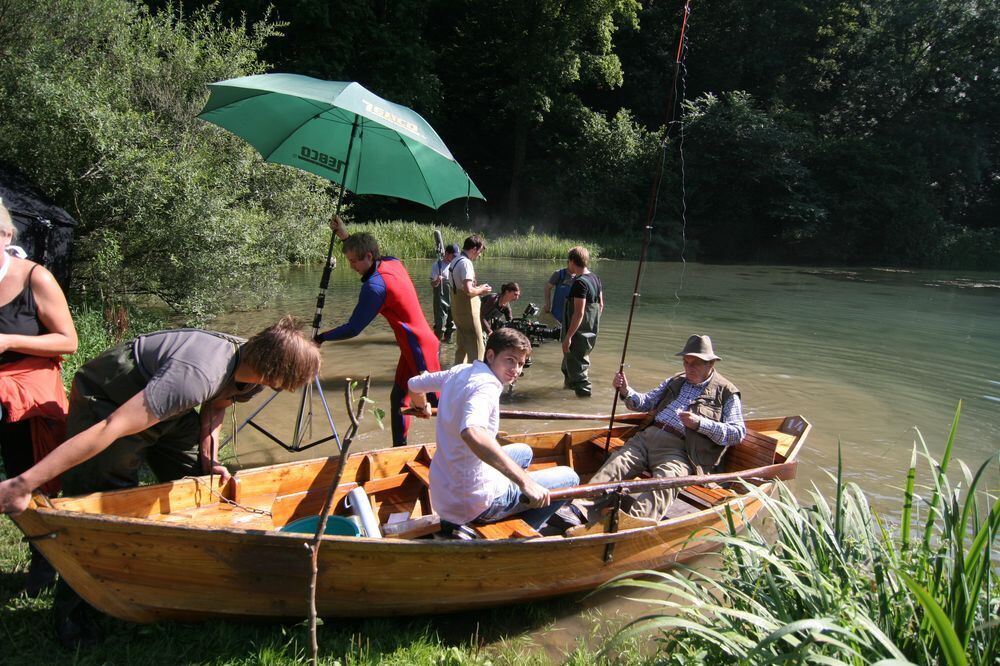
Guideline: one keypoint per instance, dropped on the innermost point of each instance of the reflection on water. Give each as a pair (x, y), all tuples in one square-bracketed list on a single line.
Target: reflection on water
[(865, 355)]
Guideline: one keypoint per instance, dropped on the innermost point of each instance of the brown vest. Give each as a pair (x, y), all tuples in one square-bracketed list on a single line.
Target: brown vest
[(702, 451)]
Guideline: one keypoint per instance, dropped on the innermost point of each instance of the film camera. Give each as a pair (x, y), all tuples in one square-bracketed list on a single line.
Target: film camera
[(535, 331)]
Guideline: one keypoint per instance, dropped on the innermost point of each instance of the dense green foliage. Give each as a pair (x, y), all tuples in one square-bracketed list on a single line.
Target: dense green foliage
[(98, 330), (98, 103), (836, 585), (812, 132), (824, 131)]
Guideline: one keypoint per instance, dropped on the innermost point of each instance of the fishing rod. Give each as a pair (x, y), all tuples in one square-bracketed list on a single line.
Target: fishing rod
[(651, 211), (780, 471)]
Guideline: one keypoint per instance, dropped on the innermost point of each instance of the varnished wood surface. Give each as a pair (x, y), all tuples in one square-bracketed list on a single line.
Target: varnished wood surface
[(174, 551)]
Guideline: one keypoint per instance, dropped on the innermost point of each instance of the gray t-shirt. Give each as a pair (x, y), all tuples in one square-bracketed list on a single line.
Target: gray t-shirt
[(187, 367)]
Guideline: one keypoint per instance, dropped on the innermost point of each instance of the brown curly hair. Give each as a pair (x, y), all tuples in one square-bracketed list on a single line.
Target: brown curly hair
[(283, 355)]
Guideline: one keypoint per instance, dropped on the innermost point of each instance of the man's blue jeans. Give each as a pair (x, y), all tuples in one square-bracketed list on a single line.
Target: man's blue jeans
[(509, 503)]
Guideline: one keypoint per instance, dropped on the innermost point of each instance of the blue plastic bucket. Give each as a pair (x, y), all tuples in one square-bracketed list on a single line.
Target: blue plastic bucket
[(335, 526)]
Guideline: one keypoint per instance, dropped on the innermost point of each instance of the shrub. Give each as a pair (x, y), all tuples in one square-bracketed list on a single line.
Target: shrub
[(98, 104)]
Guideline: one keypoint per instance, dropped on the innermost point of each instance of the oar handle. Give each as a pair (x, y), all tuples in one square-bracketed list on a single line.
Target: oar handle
[(782, 471)]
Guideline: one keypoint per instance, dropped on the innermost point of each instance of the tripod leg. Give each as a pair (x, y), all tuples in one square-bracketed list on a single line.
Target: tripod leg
[(297, 434), (250, 418), (326, 408)]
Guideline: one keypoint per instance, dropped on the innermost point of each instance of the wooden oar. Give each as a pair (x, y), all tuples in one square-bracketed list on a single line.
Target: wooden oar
[(545, 416), (783, 471)]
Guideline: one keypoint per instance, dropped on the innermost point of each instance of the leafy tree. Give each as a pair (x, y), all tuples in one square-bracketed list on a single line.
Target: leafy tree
[(750, 192), (379, 44), (522, 56), (599, 173), (98, 105)]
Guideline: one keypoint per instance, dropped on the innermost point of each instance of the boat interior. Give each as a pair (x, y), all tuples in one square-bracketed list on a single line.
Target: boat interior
[(395, 485)]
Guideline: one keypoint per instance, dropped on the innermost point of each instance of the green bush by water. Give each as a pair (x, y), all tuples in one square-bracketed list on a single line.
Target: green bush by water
[(839, 586), (97, 332)]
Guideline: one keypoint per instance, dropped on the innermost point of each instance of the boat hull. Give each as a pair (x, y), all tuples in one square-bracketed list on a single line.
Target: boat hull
[(145, 570)]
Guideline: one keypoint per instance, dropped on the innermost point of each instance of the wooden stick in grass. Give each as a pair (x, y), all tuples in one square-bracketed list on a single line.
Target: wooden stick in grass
[(355, 414)]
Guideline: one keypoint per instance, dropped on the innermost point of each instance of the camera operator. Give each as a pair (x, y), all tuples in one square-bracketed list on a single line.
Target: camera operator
[(495, 309)]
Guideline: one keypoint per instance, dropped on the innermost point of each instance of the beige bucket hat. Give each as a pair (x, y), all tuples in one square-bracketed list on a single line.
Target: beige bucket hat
[(700, 346)]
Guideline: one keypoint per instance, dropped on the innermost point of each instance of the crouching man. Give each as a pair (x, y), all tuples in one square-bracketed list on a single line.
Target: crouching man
[(473, 478), (139, 402)]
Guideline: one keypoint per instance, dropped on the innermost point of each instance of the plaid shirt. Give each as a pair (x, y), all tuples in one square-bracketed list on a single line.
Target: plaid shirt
[(728, 432)]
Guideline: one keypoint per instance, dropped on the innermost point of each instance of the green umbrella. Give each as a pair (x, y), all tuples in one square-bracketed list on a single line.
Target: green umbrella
[(349, 135), (343, 132)]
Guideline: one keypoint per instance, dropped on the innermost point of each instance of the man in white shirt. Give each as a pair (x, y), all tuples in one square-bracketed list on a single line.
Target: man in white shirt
[(473, 478), (465, 293)]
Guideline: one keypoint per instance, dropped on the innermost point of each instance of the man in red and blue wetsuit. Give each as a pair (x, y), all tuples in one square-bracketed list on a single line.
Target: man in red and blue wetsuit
[(386, 289)]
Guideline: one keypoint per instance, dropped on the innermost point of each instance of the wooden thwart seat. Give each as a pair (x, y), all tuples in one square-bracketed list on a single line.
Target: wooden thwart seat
[(600, 440), (420, 470), (512, 528), (754, 450)]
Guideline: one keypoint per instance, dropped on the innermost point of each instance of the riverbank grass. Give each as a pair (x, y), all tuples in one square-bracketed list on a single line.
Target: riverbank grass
[(407, 240), (839, 585)]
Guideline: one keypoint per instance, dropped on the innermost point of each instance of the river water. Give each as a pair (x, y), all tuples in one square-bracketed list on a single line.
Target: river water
[(866, 356)]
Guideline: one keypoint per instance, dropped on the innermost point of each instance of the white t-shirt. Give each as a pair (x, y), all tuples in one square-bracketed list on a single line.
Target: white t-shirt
[(462, 270), (441, 268), (462, 485)]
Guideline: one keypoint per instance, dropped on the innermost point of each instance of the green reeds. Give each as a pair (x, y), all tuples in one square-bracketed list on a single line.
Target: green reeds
[(836, 585), (409, 240)]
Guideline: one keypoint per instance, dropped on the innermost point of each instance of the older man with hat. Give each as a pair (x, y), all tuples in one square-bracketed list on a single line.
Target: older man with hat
[(691, 419)]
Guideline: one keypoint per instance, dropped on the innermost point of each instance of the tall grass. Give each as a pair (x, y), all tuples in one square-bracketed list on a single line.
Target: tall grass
[(839, 586), (98, 329), (408, 240)]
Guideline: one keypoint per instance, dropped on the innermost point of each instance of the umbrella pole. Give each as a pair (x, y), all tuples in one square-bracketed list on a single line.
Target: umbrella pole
[(324, 283)]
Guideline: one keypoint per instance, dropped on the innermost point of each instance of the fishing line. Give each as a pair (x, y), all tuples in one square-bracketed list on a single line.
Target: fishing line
[(654, 197), (680, 152)]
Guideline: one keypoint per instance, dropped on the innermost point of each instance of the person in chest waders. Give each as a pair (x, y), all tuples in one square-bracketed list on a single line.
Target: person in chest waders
[(444, 325), (581, 321), (387, 290), (157, 400), (465, 307)]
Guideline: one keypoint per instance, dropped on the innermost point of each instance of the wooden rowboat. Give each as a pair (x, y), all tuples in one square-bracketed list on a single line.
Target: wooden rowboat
[(176, 551)]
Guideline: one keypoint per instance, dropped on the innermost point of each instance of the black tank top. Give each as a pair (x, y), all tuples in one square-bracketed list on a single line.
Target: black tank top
[(20, 317)]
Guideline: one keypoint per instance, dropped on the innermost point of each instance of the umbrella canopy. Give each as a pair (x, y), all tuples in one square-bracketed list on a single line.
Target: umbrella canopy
[(343, 132)]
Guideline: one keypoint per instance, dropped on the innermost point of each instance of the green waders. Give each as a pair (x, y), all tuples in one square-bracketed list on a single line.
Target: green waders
[(169, 447), (576, 361)]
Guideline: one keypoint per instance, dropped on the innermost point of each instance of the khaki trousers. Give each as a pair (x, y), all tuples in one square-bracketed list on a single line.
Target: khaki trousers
[(661, 453), (469, 345)]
